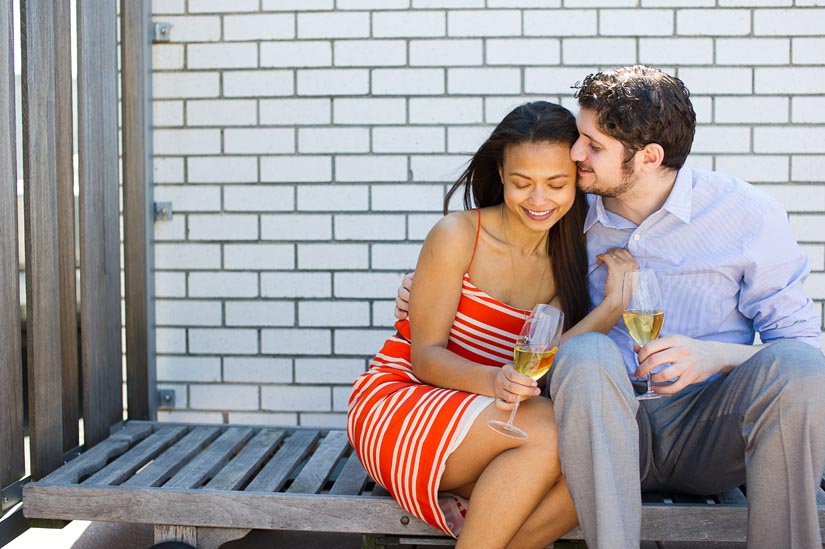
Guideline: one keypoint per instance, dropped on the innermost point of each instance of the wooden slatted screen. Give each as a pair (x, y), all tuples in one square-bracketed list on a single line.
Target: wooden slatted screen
[(99, 217), (40, 196), (11, 394), (66, 220), (138, 223)]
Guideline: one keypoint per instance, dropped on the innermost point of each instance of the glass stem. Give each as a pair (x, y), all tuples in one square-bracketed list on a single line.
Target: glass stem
[(513, 413)]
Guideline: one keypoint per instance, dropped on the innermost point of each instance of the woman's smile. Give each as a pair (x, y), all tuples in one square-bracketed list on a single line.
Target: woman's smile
[(539, 215)]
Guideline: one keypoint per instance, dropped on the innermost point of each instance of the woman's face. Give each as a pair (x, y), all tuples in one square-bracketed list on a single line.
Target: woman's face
[(539, 183)]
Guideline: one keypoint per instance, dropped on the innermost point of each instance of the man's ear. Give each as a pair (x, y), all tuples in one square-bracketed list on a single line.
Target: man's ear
[(651, 157)]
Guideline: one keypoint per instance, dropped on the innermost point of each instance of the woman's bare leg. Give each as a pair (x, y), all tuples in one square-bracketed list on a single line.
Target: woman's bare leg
[(510, 478), (554, 517)]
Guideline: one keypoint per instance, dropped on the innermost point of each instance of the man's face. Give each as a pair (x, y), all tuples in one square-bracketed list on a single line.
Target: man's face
[(599, 160)]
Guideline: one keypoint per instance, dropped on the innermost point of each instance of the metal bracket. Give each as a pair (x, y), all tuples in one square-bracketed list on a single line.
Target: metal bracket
[(166, 398), (161, 32), (163, 211), (12, 494)]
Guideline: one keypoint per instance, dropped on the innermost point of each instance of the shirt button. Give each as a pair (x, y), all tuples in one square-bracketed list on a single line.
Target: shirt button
[(636, 237)]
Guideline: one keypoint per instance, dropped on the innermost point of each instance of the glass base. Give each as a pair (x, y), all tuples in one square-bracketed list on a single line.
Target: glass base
[(649, 395), (507, 429)]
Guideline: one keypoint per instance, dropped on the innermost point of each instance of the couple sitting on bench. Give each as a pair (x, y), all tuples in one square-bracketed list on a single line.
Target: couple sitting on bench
[(731, 412)]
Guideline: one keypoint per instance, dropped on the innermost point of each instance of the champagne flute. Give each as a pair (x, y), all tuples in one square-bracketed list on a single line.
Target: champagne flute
[(533, 355), (643, 313)]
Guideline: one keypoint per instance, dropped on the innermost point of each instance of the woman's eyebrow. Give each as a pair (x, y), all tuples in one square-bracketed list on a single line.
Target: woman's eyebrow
[(556, 176)]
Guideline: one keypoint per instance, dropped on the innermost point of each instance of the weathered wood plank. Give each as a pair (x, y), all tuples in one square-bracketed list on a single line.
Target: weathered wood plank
[(210, 460), (99, 455), (66, 221), (173, 459), (126, 465), (315, 473), (97, 138), (352, 478), (212, 508), (325, 512), (138, 211), (42, 280), (276, 472), (242, 466), (11, 389)]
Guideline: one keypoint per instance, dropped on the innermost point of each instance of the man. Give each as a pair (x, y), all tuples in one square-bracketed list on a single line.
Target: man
[(729, 267)]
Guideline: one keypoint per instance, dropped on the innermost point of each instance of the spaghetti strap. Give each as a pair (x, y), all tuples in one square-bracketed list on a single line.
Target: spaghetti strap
[(478, 232)]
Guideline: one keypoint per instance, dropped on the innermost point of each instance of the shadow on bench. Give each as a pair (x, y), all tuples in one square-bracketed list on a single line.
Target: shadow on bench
[(208, 484)]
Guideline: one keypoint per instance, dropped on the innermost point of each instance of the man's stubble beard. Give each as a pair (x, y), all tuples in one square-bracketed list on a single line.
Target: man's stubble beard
[(628, 182)]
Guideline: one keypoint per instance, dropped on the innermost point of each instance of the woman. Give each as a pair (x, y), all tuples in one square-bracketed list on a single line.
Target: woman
[(418, 417)]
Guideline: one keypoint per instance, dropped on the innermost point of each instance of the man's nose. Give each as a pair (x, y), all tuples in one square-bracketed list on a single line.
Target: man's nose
[(577, 151)]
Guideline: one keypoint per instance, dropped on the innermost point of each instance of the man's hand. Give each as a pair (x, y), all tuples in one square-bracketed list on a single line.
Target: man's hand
[(510, 386), (691, 360), (402, 300)]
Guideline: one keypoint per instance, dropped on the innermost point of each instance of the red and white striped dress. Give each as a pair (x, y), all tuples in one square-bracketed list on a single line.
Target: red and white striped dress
[(402, 429)]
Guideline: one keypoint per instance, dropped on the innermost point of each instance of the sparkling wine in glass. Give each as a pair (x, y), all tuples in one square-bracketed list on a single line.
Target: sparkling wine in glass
[(643, 313), (533, 355)]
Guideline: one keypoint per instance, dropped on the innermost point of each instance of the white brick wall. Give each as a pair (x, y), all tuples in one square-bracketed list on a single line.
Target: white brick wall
[(306, 146)]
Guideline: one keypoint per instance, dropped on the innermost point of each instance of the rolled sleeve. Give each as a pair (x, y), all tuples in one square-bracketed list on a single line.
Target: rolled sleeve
[(772, 292)]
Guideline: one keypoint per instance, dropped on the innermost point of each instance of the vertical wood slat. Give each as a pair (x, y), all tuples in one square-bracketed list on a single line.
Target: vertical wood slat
[(138, 211), (11, 388), (99, 217), (65, 221), (42, 281)]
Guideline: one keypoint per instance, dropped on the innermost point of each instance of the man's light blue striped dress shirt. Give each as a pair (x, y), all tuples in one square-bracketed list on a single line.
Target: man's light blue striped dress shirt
[(726, 259)]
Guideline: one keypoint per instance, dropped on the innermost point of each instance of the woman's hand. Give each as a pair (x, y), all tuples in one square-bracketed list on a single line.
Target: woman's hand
[(618, 261), (510, 386), (402, 300)]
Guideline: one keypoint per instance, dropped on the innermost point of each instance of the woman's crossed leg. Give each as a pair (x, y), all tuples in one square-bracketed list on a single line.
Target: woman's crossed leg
[(517, 494)]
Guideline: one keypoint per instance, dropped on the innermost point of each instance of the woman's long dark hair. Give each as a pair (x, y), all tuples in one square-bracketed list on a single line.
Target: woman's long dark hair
[(536, 122)]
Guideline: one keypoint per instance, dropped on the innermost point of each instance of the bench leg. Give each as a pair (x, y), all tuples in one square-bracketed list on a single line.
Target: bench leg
[(202, 538)]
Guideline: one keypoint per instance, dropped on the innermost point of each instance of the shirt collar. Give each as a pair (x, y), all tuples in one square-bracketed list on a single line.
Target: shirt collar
[(679, 203), (680, 200)]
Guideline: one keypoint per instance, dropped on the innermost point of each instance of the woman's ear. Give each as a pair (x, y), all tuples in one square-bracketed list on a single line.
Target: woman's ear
[(501, 173)]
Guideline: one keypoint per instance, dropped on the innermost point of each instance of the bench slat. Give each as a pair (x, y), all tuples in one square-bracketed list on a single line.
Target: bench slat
[(275, 473), (100, 454), (314, 474), (733, 497), (211, 460), (126, 465), (172, 460), (247, 461), (352, 478), (379, 491), (357, 514)]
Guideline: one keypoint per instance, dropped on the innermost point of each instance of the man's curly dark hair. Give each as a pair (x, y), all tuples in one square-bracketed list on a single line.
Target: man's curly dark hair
[(639, 105)]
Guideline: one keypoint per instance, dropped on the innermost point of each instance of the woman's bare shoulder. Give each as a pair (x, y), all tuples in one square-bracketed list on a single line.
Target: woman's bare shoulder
[(458, 227), (452, 239)]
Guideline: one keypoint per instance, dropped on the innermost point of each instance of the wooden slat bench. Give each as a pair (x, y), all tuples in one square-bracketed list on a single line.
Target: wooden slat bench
[(209, 484)]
